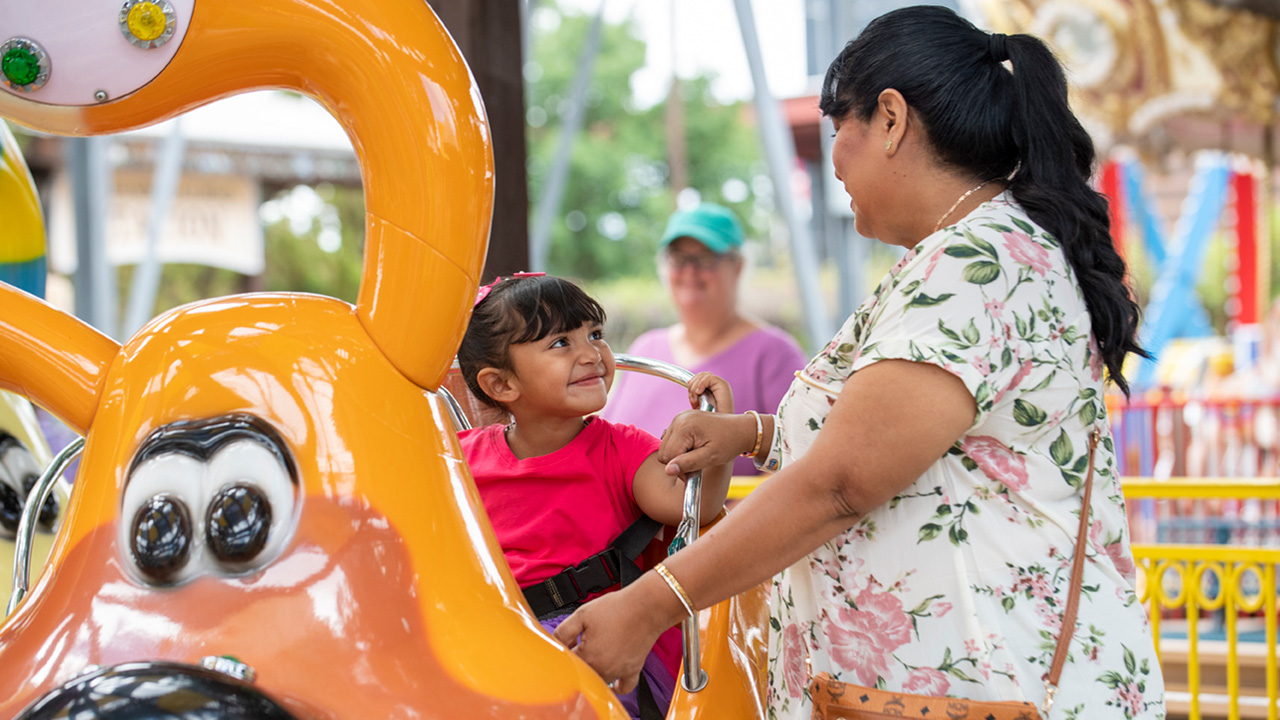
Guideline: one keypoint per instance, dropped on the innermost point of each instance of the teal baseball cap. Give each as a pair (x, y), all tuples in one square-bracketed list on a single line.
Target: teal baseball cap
[(715, 226)]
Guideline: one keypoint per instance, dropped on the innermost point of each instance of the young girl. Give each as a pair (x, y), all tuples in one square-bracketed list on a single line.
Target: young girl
[(560, 484)]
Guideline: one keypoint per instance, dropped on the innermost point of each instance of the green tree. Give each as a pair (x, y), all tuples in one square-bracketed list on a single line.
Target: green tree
[(618, 196)]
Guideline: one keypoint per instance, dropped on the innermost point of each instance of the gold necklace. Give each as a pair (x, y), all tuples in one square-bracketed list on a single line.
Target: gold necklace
[(952, 209)]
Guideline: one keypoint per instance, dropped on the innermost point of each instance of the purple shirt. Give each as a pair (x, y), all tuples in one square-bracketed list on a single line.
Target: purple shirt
[(759, 368)]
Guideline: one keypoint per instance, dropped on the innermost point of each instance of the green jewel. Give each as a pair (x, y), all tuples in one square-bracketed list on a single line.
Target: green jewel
[(676, 546), (20, 66)]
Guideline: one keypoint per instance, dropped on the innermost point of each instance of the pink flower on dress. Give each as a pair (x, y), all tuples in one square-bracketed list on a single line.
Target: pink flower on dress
[(982, 365), (1095, 360), (1040, 588), (864, 638), (941, 608), (926, 681), (997, 461), (933, 261), (994, 307), (1023, 371), (1120, 557), (1050, 618), (908, 257), (1026, 252), (1130, 697), (793, 653)]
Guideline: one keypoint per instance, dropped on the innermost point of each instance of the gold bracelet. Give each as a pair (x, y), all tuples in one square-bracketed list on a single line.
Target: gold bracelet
[(676, 588), (755, 450)]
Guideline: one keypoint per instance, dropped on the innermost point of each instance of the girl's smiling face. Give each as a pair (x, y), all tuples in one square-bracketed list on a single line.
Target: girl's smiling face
[(564, 374)]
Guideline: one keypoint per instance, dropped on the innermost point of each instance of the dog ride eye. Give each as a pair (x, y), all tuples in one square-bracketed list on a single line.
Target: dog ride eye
[(238, 524), (161, 538)]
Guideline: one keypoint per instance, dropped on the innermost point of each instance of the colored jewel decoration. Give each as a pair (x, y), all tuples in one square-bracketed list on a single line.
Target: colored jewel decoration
[(147, 23), (24, 65)]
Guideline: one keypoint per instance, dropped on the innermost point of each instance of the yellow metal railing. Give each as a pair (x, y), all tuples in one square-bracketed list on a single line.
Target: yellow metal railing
[(1198, 582)]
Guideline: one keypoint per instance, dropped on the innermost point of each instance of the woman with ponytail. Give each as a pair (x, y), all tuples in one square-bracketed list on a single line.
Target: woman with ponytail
[(932, 460)]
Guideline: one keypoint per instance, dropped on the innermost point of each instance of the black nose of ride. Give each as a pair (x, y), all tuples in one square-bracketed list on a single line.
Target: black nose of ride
[(155, 691)]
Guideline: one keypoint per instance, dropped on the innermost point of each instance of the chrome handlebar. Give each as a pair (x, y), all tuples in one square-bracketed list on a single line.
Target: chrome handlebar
[(30, 515)]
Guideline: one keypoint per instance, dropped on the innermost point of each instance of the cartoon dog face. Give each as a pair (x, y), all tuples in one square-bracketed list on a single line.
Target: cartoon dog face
[(269, 476)]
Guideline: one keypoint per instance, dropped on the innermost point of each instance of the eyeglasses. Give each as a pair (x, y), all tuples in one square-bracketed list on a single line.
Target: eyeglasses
[(697, 263)]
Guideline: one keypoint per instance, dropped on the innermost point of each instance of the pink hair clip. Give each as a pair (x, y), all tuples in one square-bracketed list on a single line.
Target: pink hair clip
[(483, 292)]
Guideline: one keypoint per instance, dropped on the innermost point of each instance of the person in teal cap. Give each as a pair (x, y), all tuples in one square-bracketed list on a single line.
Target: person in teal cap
[(701, 263)]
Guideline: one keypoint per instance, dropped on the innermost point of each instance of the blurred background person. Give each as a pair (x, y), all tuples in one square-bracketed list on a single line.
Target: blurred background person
[(701, 264)]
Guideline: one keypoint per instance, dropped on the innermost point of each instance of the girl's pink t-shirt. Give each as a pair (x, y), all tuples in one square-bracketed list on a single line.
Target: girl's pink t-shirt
[(553, 511)]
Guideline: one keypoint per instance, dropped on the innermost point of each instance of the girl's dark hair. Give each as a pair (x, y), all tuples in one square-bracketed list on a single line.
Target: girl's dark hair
[(520, 310), (992, 123)]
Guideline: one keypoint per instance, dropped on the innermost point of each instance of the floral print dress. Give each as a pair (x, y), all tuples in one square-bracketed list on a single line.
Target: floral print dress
[(956, 586)]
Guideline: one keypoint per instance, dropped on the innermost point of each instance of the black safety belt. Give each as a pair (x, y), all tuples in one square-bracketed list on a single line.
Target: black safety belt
[(615, 564)]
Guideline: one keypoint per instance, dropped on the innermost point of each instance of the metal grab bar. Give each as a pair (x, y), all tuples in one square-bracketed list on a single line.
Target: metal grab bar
[(30, 515), (694, 678)]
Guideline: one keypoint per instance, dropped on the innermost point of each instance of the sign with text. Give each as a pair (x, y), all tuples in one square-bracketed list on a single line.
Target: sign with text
[(213, 221)]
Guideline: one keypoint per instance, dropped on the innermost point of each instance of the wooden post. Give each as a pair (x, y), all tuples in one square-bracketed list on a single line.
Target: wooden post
[(488, 32)]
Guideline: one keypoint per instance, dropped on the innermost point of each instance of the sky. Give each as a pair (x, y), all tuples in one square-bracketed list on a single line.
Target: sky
[(706, 37)]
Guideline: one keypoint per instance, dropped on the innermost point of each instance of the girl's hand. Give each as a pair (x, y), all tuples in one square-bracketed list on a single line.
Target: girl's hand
[(698, 440), (721, 393)]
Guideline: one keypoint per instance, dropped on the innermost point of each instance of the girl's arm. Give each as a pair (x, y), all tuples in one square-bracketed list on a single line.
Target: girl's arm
[(891, 422), (660, 492)]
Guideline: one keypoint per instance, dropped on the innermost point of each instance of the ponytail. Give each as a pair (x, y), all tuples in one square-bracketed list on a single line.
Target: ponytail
[(1056, 159), (992, 123)]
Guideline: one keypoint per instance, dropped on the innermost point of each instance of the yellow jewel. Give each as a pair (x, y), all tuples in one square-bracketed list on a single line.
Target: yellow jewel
[(146, 21)]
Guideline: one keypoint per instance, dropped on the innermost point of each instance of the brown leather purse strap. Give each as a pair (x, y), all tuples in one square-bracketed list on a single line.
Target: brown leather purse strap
[(1077, 578)]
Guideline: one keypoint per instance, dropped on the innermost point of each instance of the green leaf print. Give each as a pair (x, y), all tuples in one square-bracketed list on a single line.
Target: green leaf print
[(1028, 415), (982, 394), (981, 272), (1045, 382), (1130, 663), (1024, 226), (1000, 228), (971, 333), (1111, 679), (923, 300), (957, 535), (1087, 393), (773, 623), (962, 251), (1088, 413), (968, 463), (1061, 449), (1007, 603), (1021, 325), (911, 287), (985, 247), (942, 328), (928, 531)]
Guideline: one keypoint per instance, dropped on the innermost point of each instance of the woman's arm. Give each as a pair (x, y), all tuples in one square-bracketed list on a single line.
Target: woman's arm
[(891, 422)]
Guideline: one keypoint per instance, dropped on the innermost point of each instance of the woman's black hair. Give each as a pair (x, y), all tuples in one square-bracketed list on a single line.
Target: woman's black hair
[(520, 310), (992, 123)]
